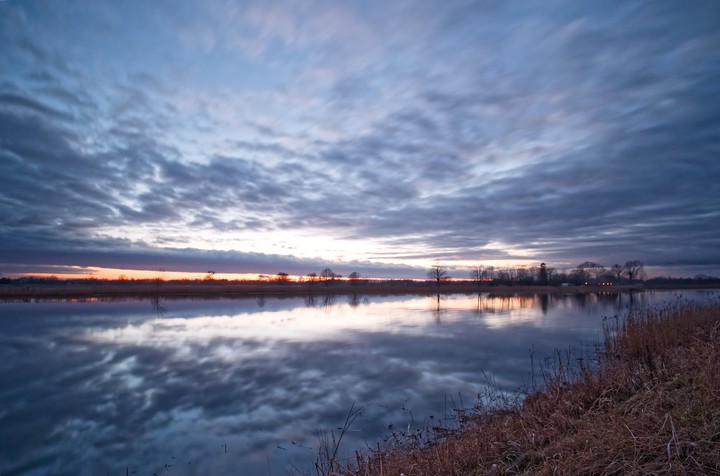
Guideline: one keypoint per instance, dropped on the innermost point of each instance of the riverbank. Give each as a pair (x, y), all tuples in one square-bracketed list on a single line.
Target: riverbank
[(650, 404), (200, 289)]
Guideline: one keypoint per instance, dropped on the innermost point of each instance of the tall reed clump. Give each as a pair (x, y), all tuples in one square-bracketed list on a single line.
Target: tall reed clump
[(649, 404)]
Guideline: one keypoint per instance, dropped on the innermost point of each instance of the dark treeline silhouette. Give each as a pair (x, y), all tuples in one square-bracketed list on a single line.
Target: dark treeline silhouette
[(586, 273), (438, 273)]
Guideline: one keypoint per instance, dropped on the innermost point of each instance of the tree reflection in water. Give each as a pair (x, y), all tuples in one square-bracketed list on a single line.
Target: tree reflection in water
[(103, 385)]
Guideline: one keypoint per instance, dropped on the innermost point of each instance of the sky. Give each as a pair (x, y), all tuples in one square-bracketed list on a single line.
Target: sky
[(370, 136)]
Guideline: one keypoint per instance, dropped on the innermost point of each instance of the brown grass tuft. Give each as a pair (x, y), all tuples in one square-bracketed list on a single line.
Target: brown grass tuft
[(650, 404)]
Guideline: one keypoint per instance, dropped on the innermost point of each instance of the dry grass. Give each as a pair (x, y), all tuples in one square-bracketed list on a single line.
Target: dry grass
[(650, 404)]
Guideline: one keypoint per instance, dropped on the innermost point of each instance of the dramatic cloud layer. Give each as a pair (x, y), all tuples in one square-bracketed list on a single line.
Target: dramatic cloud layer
[(370, 136)]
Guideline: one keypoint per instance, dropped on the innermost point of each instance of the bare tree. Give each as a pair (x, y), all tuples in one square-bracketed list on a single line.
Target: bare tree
[(551, 273), (634, 269), (579, 275), (438, 273), (617, 271), (593, 269), (523, 275), (503, 276), (312, 277), (328, 275), (477, 274)]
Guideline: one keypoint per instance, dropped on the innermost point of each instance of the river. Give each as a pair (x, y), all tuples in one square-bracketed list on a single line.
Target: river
[(245, 386)]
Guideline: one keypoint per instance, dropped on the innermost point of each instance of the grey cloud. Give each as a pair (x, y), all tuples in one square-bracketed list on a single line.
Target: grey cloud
[(564, 130), (264, 130), (48, 249), (100, 371), (264, 147), (28, 104), (651, 168)]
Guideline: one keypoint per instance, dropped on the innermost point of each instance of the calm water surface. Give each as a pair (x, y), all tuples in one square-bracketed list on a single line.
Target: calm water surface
[(197, 387)]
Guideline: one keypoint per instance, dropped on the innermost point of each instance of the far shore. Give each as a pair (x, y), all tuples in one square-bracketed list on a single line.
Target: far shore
[(214, 289)]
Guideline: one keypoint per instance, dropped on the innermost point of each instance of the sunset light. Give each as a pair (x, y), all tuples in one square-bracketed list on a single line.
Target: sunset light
[(254, 138), (359, 237)]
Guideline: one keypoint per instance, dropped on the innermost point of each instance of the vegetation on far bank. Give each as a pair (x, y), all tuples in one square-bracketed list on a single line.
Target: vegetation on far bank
[(44, 289), (47, 288), (648, 404), (584, 278)]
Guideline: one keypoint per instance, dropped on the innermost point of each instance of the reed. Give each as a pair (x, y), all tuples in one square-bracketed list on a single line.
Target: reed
[(647, 403)]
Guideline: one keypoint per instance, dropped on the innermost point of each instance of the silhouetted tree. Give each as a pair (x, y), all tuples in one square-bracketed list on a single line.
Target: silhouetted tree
[(523, 275), (579, 276), (617, 271), (438, 273), (551, 274), (327, 275), (282, 278), (594, 270), (312, 277), (543, 274), (482, 273), (503, 276), (634, 269), (561, 277), (477, 274)]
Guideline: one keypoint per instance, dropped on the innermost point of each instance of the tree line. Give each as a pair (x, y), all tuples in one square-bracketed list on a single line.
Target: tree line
[(327, 275), (588, 272)]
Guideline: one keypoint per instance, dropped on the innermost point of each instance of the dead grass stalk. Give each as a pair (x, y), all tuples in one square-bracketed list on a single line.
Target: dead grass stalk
[(649, 404)]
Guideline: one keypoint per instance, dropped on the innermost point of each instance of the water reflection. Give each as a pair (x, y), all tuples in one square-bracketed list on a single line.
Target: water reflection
[(157, 307), (240, 386)]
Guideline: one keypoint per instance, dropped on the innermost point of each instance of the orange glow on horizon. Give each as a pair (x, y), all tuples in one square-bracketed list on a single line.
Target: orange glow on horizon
[(141, 274), (130, 274)]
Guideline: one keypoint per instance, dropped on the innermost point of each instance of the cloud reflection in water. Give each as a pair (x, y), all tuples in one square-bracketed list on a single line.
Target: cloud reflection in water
[(92, 388)]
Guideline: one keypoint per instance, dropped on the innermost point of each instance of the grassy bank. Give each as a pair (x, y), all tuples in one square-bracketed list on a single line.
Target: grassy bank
[(650, 404)]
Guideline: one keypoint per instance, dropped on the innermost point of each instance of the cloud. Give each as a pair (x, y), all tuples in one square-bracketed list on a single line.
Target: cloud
[(54, 254), (117, 377), (562, 133)]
